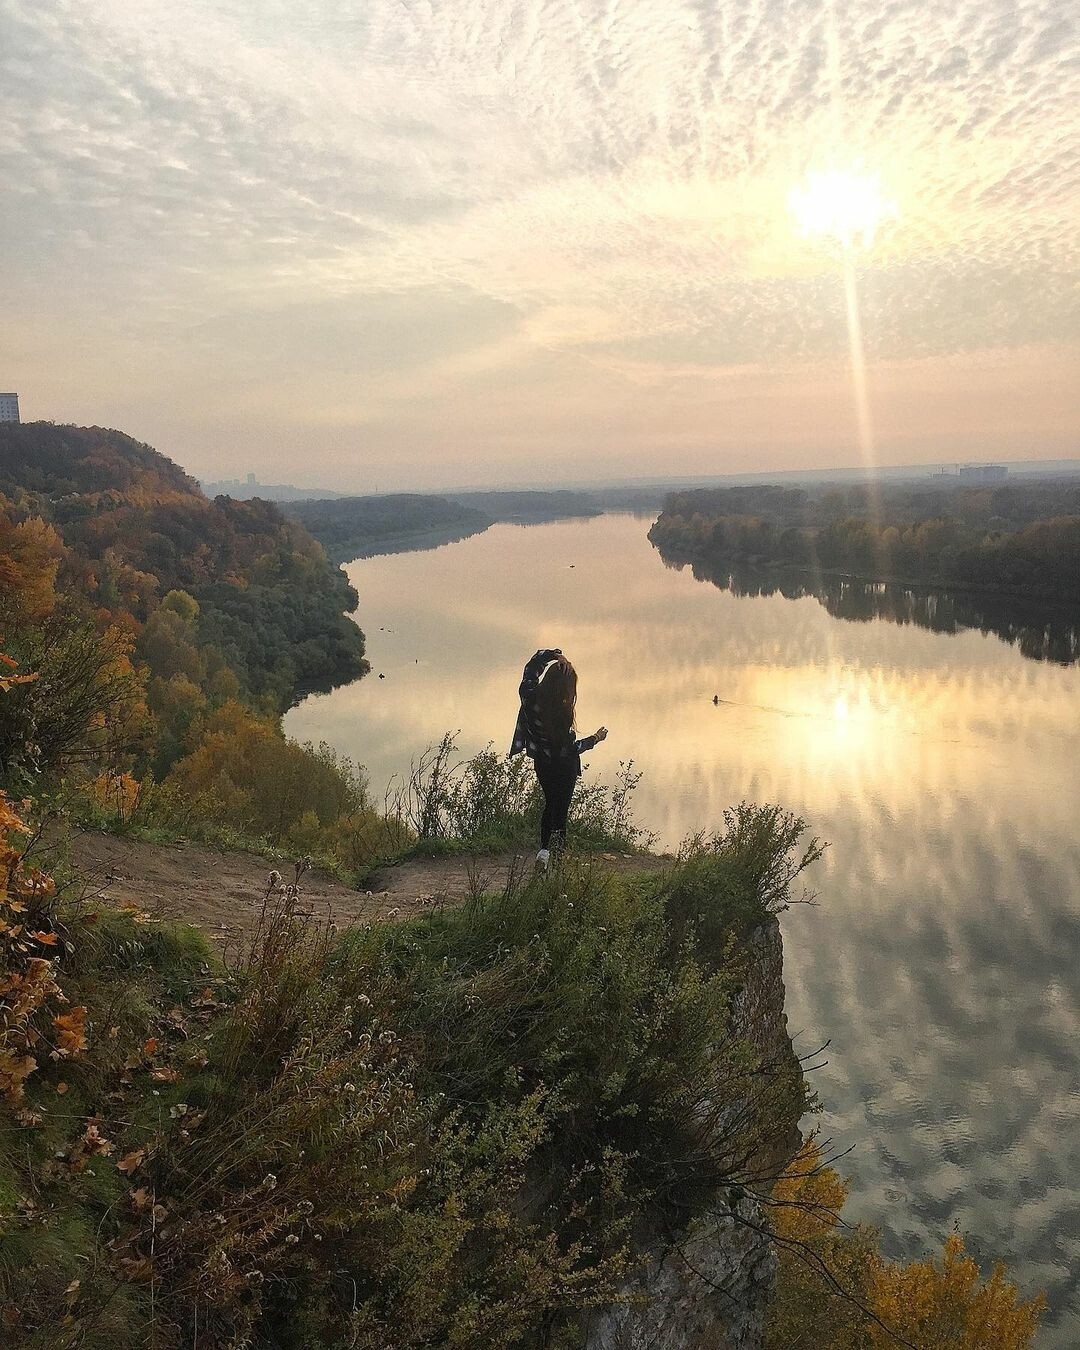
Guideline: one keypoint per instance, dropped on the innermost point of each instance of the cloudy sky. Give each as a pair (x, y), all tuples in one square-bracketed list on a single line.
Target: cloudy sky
[(364, 243)]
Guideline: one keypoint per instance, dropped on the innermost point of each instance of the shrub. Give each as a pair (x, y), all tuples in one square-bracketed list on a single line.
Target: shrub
[(262, 784), (834, 1288), (83, 704), (490, 801)]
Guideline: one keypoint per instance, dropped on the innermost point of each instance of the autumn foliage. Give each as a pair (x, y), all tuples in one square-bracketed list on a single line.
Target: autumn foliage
[(837, 1290), (35, 1021), (122, 586)]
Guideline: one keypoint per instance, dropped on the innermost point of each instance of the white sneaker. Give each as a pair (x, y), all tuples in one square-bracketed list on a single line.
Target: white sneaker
[(543, 858)]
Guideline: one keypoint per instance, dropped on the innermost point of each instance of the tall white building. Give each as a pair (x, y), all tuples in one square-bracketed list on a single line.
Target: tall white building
[(9, 407)]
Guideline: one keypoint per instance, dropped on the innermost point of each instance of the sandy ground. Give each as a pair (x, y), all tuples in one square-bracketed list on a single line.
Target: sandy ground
[(222, 890)]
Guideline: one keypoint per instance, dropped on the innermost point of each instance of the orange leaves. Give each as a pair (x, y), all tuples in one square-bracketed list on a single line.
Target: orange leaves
[(33, 550), (24, 991), (28, 982), (10, 681), (31, 883), (90, 1144), (141, 1200), (70, 1031), (130, 1161), (15, 1069), (137, 1269), (10, 820)]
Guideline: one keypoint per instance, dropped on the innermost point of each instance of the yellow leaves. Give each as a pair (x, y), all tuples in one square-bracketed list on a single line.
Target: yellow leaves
[(402, 1189), (934, 1304), (947, 1306), (118, 792), (810, 1196)]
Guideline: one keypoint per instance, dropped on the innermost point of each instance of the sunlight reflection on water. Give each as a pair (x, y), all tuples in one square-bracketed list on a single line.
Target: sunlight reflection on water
[(942, 959)]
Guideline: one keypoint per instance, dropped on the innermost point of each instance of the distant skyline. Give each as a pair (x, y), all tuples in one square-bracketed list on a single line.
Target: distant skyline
[(393, 244)]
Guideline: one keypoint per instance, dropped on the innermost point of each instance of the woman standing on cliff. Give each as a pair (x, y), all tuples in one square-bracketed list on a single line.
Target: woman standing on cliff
[(545, 732)]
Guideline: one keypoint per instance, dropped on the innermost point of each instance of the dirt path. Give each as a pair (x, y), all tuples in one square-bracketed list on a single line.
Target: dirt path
[(222, 890)]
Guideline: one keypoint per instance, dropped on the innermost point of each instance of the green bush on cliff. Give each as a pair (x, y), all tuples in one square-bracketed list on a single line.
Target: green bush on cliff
[(432, 1133)]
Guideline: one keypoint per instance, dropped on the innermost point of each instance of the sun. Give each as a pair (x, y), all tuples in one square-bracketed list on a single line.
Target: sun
[(847, 205)]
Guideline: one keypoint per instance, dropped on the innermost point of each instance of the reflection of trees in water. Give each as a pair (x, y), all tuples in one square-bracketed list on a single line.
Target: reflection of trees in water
[(1042, 629)]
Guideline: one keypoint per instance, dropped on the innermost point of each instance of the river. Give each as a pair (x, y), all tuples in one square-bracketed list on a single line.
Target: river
[(941, 961)]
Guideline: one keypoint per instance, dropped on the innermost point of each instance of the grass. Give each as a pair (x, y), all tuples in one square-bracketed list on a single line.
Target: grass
[(445, 806), (440, 1132)]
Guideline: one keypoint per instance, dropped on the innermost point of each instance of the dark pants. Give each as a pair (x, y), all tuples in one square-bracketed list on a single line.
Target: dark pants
[(557, 778)]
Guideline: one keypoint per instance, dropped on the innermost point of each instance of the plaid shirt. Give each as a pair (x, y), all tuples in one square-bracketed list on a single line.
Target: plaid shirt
[(529, 734)]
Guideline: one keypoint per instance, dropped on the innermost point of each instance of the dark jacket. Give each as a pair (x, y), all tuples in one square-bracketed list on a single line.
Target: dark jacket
[(529, 734)]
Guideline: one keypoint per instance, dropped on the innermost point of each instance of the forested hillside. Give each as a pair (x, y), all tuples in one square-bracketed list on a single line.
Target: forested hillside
[(356, 527), (1016, 538), (121, 578)]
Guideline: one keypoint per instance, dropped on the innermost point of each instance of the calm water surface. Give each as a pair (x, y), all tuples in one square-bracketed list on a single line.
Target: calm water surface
[(942, 959)]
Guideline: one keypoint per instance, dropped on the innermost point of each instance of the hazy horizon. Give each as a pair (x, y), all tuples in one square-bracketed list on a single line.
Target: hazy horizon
[(844, 473), (357, 247)]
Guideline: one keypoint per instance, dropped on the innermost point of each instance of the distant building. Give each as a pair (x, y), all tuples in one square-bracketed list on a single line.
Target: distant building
[(979, 475), (972, 475), (248, 487), (9, 408)]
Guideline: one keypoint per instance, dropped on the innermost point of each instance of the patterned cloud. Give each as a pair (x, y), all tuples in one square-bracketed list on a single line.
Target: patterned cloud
[(366, 210)]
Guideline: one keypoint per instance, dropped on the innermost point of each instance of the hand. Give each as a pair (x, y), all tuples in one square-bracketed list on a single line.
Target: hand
[(601, 734)]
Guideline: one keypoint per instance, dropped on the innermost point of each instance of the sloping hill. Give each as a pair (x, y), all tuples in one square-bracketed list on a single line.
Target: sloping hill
[(126, 526), (63, 461)]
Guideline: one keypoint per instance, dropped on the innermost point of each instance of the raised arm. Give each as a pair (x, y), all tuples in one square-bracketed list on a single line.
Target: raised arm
[(538, 662)]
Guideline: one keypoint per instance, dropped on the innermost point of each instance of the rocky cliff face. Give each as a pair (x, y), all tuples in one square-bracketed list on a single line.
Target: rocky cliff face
[(708, 1288)]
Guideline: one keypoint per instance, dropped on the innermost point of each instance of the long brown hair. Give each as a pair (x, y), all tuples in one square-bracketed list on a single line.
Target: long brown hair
[(556, 699)]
